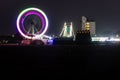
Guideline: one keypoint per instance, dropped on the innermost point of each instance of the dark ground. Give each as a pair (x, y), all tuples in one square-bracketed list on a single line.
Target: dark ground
[(60, 62)]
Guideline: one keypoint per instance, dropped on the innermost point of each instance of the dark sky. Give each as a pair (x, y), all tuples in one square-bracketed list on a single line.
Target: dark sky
[(106, 13)]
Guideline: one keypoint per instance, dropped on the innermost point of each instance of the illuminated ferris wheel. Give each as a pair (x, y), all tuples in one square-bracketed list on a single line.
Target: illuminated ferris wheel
[(32, 23)]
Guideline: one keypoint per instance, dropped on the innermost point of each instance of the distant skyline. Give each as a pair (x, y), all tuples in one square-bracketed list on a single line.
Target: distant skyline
[(106, 13)]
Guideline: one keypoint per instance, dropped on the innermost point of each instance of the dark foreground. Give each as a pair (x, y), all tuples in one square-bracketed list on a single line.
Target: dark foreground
[(60, 62)]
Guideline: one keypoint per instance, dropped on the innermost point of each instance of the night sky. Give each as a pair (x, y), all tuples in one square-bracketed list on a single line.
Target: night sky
[(106, 13)]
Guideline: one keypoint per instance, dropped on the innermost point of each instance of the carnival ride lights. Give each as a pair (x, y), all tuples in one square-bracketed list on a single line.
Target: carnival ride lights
[(28, 12)]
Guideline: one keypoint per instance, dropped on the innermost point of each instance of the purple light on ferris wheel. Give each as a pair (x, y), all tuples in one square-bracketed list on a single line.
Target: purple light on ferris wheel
[(32, 11)]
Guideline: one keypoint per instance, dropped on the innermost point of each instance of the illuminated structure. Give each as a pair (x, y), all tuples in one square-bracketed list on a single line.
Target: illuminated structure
[(32, 23), (103, 39), (67, 30), (84, 20), (88, 26), (91, 26)]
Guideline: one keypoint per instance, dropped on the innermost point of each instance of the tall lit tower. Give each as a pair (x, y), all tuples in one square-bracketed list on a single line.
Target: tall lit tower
[(67, 30), (89, 25), (92, 28), (84, 20)]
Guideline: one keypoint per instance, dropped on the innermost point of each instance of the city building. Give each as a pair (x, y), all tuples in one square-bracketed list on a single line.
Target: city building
[(84, 20), (83, 37), (89, 25)]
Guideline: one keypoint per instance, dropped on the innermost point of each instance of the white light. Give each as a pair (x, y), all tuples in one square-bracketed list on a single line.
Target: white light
[(20, 16), (102, 39), (114, 39)]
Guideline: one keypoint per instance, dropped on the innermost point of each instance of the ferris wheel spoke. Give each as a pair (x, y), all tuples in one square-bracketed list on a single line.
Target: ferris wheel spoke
[(36, 30), (29, 30)]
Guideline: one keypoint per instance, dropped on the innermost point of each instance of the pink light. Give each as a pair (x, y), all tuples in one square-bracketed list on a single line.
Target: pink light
[(30, 11), (38, 14)]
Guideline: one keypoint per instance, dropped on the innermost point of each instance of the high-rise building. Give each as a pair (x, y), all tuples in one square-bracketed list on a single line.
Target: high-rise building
[(89, 25), (92, 28), (84, 20)]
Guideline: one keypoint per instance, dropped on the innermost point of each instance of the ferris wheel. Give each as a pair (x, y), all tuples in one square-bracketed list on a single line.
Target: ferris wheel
[(32, 23)]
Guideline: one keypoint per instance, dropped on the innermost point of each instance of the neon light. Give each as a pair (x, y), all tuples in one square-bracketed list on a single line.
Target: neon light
[(35, 11)]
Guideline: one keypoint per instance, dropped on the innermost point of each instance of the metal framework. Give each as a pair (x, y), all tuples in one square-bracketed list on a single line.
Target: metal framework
[(67, 30)]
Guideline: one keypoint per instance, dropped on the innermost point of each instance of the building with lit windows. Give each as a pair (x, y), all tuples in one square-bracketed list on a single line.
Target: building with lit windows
[(84, 20), (89, 25)]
